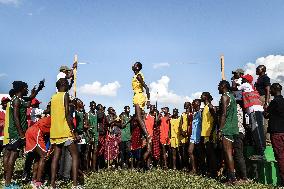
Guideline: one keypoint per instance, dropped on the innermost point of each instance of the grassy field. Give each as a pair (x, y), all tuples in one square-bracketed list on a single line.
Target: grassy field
[(155, 178)]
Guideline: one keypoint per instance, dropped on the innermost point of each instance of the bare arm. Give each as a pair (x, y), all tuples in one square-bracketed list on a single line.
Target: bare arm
[(67, 113), (140, 79), (16, 112), (225, 102)]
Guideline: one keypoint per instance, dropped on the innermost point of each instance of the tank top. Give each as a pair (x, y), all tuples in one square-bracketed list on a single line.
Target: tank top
[(125, 133), (207, 122), (13, 132), (136, 85), (175, 127), (93, 122), (59, 126), (7, 122), (231, 123)]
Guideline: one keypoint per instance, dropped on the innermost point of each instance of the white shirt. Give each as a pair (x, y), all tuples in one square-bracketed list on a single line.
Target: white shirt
[(35, 113), (61, 75), (246, 87), (238, 94)]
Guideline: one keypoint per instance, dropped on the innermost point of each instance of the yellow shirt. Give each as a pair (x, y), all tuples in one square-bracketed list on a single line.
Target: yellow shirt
[(6, 126), (175, 134), (136, 85), (59, 130), (207, 122), (184, 127)]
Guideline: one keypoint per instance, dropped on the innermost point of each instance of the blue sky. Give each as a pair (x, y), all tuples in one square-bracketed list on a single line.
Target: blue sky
[(186, 36)]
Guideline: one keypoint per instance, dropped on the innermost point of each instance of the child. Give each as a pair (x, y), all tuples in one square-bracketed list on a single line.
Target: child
[(196, 133)]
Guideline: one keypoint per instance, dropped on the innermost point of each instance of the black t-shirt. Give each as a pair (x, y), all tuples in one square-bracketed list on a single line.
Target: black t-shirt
[(261, 83), (276, 115)]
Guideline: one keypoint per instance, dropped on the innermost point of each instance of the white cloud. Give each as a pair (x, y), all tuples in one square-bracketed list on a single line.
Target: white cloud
[(159, 90), (96, 88), (274, 67), (10, 2), (3, 74), (161, 65)]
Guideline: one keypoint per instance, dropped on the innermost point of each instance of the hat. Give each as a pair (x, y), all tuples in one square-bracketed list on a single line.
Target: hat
[(248, 77), (62, 68), (35, 101), (239, 70), (5, 99)]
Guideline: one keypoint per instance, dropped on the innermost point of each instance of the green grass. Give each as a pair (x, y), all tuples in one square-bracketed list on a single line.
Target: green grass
[(155, 178)]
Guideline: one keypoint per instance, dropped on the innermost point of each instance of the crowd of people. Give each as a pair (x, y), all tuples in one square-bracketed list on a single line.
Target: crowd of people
[(66, 142)]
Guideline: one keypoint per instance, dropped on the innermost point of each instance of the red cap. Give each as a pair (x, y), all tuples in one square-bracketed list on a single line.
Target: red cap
[(35, 101), (248, 77), (5, 99)]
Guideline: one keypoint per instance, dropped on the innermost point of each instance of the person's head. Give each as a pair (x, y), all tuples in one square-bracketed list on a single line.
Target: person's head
[(35, 103), (64, 69), (20, 87), (196, 104), (187, 105), (62, 85), (224, 86), (260, 70), (275, 89), (238, 73), (206, 96), (137, 66), (165, 110), (247, 79), (100, 107), (4, 102), (127, 109), (175, 112), (93, 105), (11, 93), (110, 110), (80, 105), (152, 108)]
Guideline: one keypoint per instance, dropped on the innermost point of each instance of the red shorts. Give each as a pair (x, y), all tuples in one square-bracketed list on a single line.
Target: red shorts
[(34, 138)]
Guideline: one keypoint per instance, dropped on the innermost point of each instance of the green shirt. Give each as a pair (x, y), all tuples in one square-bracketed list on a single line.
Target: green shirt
[(125, 133), (13, 132), (93, 122), (231, 123), (80, 122)]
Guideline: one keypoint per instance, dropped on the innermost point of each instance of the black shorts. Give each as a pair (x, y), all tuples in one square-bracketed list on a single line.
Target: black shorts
[(15, 145)]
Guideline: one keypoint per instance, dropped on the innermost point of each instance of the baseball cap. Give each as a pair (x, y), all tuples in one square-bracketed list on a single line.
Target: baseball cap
[(35, 101), (239, 70), (62, 68), (248, 77)]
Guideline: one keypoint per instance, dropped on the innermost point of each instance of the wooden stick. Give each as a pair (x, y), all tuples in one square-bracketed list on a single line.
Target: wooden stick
[(223, 67), (75, 75)]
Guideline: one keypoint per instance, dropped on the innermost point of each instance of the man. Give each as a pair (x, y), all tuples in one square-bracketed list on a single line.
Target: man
[(275, 113), (254, 109), (175, 136), (208, 134), (67, 73), (263, 87), (237, 81), (125, 137), (93, 134), (18, 125), (185, 126), (164, 134), (62, 131), (228, 126)]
